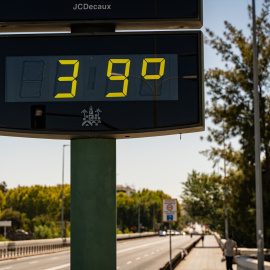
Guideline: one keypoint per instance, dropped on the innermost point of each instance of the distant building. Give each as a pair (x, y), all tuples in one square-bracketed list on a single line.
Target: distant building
[(128, 190)]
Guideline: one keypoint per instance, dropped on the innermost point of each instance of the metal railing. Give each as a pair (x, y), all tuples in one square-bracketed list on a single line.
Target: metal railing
[(14, 249), (246, 257)]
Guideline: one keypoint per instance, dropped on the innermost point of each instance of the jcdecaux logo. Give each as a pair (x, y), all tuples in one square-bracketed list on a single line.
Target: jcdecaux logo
[(85, 6)]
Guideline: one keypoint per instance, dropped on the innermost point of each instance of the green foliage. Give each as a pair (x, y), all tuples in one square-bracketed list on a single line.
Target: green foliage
[(37, 209), (118, 231), (14, 216), (232, 113), (45, 232), (3, 187), (203, 197), (2, 200), (148, 202)]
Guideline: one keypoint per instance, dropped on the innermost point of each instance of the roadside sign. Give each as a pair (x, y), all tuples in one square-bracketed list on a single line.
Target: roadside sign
[(169, 212), (5, 223), (139, 14)]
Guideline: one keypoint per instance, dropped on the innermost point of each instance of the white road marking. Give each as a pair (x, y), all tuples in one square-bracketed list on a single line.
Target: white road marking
[(58, 267), (146, 245), (6, 268), (33, 262), (138, 258), (129, 262)]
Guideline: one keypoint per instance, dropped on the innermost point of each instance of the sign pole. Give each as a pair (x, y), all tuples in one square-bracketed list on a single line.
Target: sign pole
[(93, 204), (170, 228)]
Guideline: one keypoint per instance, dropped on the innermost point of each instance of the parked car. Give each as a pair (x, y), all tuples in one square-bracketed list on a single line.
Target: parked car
[(21, 232)]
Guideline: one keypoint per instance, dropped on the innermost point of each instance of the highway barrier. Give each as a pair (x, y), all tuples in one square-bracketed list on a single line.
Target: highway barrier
[(12, 249), (135, 235), (181, 255), (15, 249)]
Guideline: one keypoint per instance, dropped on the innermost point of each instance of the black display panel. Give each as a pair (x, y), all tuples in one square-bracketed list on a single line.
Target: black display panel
[(91, 78), (100, 10), (154, 82)]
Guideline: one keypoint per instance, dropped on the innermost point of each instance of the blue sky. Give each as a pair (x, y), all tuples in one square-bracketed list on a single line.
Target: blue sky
[(154, 163)]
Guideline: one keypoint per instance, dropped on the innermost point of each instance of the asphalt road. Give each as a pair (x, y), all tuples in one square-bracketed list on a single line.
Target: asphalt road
[(139, 254)]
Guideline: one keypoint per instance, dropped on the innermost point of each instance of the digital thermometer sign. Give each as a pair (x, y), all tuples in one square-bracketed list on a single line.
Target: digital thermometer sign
[(91, 78), (115, 85)]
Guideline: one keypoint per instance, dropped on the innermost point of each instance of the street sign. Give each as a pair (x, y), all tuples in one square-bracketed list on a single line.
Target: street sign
[(169, 210), (139, 14), (5, 223), (117, 86)]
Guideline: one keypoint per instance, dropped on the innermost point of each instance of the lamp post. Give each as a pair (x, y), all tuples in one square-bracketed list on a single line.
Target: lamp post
[(225, 184), (63, 175), (258, 174)]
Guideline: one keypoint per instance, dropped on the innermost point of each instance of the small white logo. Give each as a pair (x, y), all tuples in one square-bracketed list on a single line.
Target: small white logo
[(85, 6), (90, 117)]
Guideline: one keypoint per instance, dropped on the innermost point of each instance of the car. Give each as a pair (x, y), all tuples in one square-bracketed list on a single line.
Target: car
[(21, 232), (176, 233), (162, 233), (170, 232)]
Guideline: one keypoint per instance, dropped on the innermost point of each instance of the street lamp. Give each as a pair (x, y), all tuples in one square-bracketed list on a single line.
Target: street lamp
[(258, 174), (63, 175)]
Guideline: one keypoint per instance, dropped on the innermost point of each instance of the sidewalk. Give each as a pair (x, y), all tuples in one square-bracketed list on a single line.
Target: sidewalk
[(204, 258)]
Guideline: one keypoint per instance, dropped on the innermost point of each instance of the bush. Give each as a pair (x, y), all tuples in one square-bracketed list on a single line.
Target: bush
[(45, 232)]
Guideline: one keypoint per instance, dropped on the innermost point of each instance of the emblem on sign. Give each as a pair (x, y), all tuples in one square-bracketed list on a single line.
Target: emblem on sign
[(91, 117)]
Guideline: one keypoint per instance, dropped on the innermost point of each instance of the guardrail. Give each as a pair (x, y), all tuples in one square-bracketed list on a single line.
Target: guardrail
[(14, 249), (135, 235), (181, 255), (32, 247), (244, 259)]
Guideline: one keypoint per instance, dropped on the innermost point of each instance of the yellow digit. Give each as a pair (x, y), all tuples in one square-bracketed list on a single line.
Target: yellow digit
[(121, 77), (153, 60), (72, 94)]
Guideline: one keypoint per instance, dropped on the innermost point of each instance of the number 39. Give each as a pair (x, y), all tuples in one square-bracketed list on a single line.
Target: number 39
[(124, 77), (110, 75)]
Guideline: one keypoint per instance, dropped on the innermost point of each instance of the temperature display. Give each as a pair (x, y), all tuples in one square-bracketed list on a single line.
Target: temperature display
[(134, 77)]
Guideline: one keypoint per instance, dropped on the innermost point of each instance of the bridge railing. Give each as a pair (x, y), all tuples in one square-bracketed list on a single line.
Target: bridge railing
[(246, 257), (12, 249)]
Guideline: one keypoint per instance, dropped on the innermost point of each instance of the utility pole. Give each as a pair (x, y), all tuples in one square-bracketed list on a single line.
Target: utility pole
[(258, 174), (225, 187)]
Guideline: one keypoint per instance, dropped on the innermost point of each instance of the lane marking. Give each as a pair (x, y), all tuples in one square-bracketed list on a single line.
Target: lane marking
[(58, 267), (129, 262), (138, 258), (6, 268), (145, 245)]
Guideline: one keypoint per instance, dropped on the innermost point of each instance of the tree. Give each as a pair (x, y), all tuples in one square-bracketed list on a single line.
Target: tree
[(2, 200), (232, 88), (203, 198), (3, 187), (14, 216)]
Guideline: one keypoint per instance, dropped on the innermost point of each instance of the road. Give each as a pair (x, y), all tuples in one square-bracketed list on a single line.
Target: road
[(138, 254)]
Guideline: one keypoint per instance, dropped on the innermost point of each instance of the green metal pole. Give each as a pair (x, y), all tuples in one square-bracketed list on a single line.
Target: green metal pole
[(93, 204)]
